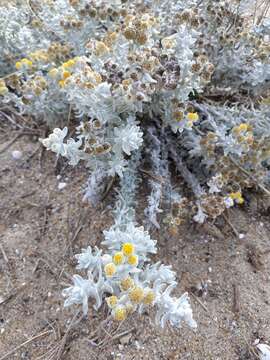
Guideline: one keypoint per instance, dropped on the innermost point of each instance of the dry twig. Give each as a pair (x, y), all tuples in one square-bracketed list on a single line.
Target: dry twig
[(8, 354)]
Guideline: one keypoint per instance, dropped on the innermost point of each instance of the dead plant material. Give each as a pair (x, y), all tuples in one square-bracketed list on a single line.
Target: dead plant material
[(16, 137), (8, 354), (213, 230), (236, 299), (254, 256)]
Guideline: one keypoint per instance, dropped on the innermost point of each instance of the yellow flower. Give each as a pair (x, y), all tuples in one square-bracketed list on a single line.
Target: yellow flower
[(126, 284), (193, 116), (27, 62), (136, 295), (133, 260), (112, 301), (18, 65), (110, 269), (118, 258), (149, 297), (243, 127), (120, 313), (69, 63), (237, 196), (61, 83), (66, 74), (128, 249)]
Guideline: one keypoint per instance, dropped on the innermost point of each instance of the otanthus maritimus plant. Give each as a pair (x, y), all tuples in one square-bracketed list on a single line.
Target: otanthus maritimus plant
[(123, 274), (165, 89)]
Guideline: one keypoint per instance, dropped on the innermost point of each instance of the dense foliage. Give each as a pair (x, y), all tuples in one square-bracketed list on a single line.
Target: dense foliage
[(168, 86)]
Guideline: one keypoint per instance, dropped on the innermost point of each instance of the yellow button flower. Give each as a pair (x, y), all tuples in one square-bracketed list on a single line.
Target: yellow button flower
[(193, 116), (126, 284), (66, 74), (118, 258), (112, 301), (120, 313), (237, 196), (69, 63), (110, 269), (133, 260), (149, 297), (18, 65), (136, 295), (128, 249), (61, 83), (243, 127), (27, 62)]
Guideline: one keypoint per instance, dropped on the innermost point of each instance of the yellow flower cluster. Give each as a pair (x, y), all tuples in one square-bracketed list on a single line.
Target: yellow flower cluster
[(237, 197), (193, 116), (125, 255), (179, 116), (120, 313), (243, 133), (136, 294), (63, 72), (24, 64)]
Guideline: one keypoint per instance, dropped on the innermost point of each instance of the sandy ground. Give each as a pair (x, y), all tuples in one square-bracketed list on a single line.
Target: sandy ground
[(41, 229)]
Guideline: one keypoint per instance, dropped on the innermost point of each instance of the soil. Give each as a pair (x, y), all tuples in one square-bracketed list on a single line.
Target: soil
[(42, 227)]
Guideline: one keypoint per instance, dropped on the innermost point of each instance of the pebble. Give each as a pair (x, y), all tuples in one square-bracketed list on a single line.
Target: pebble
[(241, 236), (17, 154), (62, 185)]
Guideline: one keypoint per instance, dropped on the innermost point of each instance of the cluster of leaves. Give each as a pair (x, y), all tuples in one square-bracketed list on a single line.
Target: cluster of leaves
[(179, 86)]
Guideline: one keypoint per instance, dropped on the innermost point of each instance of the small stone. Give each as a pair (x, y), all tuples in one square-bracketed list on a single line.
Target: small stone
[(62, 185), (16, 154), (241, 236), (138, 345)]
